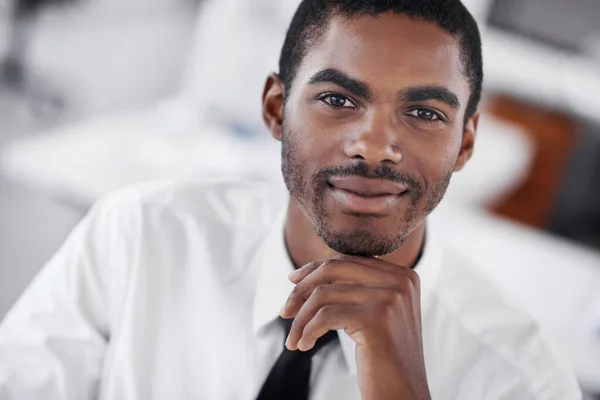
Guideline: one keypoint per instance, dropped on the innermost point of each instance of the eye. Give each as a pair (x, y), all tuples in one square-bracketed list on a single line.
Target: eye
[(426, 114), (337, 101)]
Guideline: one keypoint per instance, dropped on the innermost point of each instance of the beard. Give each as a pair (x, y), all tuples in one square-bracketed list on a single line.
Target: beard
[(362, 235)]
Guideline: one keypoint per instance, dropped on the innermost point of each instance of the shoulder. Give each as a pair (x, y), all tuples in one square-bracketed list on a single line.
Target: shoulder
[(184, 224), (222, 202), (209, 228), (514, 344)]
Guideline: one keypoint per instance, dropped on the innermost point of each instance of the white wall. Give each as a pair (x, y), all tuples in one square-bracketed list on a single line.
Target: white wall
[(110, 55)]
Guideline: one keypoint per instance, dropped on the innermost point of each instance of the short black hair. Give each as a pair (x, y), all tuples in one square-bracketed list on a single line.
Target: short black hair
[(312, 17)]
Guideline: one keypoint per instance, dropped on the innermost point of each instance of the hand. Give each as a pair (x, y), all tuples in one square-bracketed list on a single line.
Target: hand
[(378, 305)]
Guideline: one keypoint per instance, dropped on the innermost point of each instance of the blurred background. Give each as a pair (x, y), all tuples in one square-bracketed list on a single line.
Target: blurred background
[(97, 94)]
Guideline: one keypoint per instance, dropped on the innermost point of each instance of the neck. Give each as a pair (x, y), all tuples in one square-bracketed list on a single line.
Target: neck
[(304, 244)]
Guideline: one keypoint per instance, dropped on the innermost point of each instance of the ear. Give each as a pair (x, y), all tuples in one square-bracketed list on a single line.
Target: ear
[(273, 99), (468, 142)]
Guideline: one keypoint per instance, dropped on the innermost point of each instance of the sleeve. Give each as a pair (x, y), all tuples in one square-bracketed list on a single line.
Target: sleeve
[(53, 341)]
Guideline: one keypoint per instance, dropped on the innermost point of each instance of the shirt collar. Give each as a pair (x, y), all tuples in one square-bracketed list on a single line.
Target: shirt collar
[(273, 286)]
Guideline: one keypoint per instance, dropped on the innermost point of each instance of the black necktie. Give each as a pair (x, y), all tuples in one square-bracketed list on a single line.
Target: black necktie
[(289, 378)]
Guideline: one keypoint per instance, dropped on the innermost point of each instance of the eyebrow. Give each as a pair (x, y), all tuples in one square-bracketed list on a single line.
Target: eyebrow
[(362, 89), (337, 77), (430, 93)]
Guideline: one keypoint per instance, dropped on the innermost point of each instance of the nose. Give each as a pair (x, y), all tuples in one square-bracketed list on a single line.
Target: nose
[(375, 143)]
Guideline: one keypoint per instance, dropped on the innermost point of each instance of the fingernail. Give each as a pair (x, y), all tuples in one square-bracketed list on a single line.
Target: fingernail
[(292, 275), (301, 345), (287, 341)]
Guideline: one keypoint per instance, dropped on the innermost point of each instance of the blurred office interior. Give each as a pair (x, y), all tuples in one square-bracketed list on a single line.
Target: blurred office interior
[(98, 94)]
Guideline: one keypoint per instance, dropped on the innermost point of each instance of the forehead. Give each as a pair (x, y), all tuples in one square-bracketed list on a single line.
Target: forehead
[(388, 51)]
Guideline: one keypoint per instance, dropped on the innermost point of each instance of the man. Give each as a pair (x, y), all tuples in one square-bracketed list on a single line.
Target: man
[(181, 291)]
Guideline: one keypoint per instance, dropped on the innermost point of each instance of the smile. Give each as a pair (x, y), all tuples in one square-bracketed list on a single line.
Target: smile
[(364, 195)]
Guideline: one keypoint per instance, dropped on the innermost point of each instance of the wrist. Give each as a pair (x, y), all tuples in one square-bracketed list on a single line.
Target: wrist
[(390, 378)]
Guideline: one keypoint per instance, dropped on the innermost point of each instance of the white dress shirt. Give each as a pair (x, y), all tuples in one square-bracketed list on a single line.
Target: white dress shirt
[(173, 291)]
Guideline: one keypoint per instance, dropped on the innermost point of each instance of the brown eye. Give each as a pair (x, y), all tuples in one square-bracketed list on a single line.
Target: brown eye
[(425, 114), (337, 101)]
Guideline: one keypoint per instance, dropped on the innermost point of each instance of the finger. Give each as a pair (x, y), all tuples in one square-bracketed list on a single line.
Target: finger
[(335, 271), (302, 272), (382, 264), (322, 296), (331, 317)]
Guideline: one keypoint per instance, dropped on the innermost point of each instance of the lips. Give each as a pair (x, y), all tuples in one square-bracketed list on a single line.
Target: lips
[(366, 196), (367, 187)]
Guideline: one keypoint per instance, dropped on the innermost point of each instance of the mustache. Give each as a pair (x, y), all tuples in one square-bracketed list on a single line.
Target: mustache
[(382, 171)]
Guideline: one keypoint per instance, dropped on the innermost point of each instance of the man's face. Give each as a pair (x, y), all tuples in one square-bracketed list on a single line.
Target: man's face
[(373, 130)]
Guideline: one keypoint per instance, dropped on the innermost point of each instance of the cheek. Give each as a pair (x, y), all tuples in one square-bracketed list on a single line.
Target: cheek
[(299, 155), (314, 141), (449, 153), (439, 159)]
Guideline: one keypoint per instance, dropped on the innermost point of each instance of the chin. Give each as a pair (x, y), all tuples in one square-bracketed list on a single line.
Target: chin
[(361, 241)]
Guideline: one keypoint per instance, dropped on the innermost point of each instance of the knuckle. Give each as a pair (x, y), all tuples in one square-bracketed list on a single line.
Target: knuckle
[(328, 265), (400, 281), (327, 315), (392, 296), (326, 312), (299, 291), (330, 269), (311, 267), (321, 291), (408, 282), (413, 277)]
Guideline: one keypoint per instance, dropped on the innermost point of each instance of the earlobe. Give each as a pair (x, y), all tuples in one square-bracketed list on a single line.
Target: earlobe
[(468, 143), (273, 100)]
